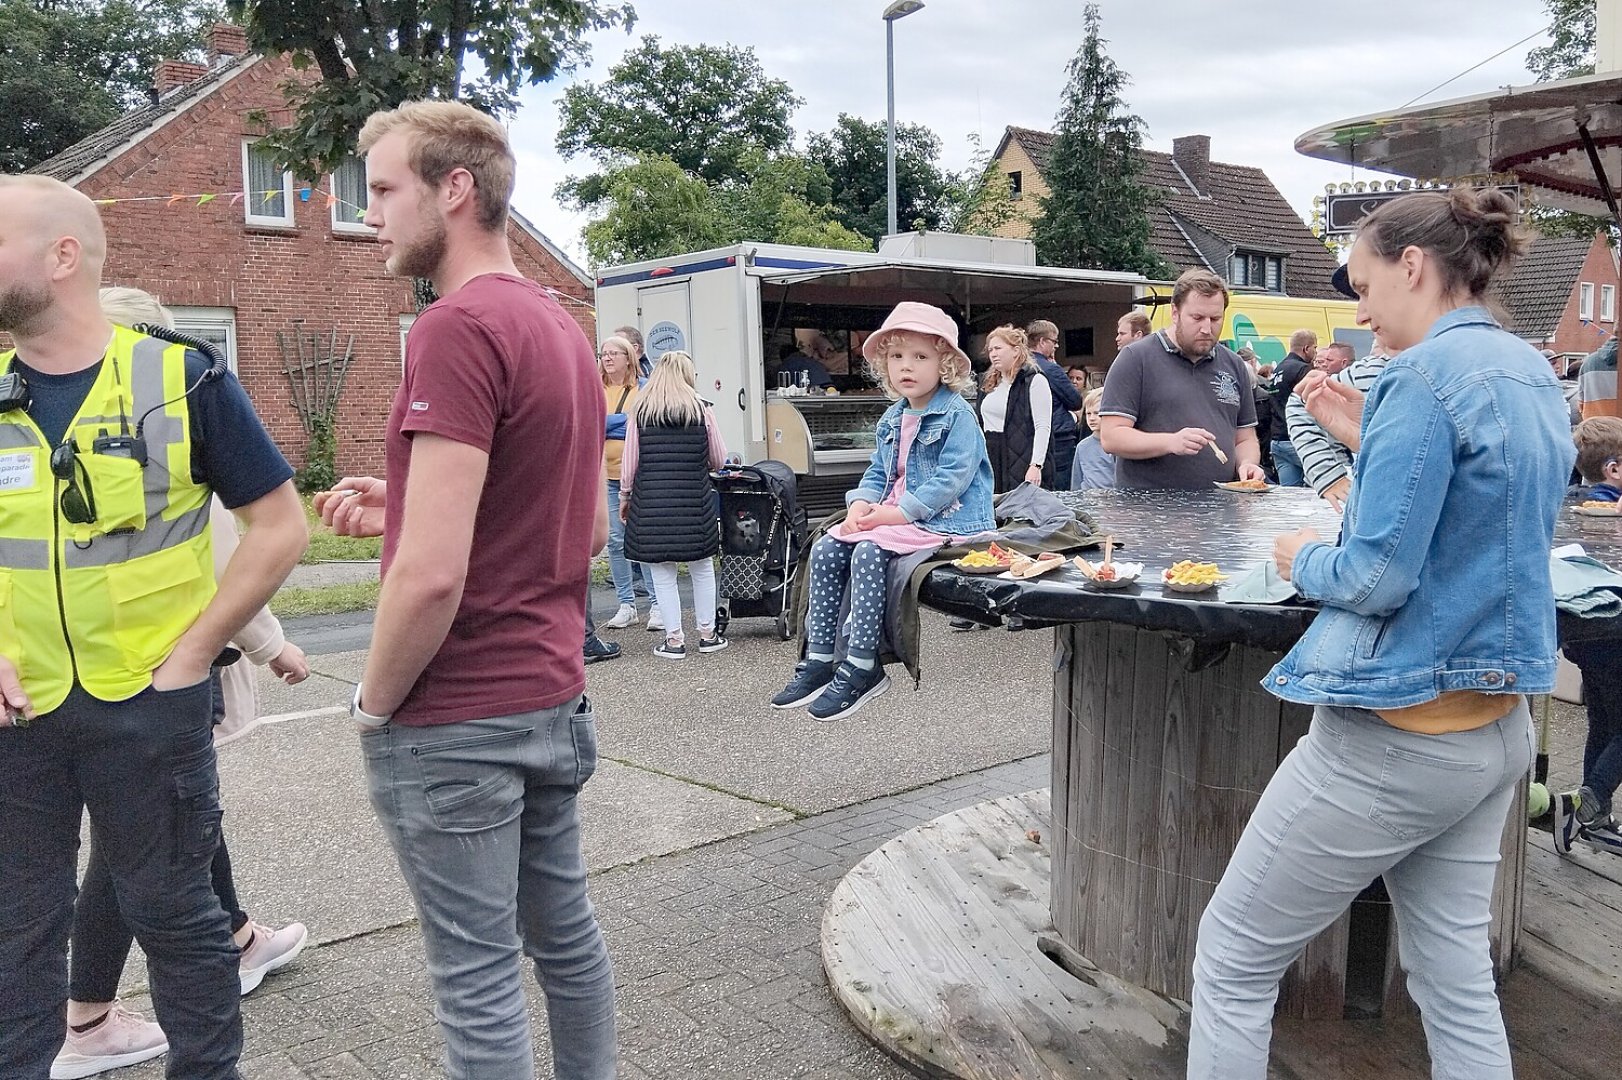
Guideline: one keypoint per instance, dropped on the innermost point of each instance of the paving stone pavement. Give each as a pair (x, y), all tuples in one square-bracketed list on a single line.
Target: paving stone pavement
[(716, 954)]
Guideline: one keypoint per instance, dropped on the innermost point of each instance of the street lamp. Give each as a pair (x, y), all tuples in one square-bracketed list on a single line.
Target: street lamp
[(900, 9)]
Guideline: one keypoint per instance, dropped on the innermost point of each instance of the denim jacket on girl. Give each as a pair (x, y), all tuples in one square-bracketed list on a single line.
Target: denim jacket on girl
[(948, 473), (1440, 580)]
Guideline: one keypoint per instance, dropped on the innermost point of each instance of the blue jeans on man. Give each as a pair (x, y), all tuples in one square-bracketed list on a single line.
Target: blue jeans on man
[(1288, 464), (484, 818), (145, 770)]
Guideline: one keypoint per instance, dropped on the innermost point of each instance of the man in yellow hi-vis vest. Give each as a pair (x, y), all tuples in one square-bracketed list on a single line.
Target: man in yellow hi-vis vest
[(111, 444)]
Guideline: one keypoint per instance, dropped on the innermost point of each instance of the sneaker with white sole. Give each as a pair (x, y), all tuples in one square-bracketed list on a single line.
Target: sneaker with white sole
[(1602, 835), (121, 1039), (655, 621), (1563, 807), (669, 650), (714, 643), (270, 950), (851, 688), (811, 677), (625, 616)]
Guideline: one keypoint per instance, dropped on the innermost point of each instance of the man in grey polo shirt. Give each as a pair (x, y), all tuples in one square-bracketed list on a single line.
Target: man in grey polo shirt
[(1177, 410)]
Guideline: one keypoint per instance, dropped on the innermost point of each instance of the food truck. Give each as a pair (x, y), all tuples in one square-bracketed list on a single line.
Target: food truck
[(747, 310)]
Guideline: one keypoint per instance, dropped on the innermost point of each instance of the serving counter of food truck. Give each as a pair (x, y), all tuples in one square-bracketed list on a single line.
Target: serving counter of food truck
[(746, 310)]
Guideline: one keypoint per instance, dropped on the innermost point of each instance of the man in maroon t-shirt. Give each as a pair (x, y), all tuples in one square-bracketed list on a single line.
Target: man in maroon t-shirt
[(476, 735)]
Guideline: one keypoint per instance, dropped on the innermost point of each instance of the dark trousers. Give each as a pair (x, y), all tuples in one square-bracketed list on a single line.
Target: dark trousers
[(145, 770), (1064, 460), (101, 936), (1601, 664)]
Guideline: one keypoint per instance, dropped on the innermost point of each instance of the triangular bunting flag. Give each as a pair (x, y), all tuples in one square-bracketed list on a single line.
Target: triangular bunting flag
[(236, 197), (332, 200), (201, 199), (174, 199)]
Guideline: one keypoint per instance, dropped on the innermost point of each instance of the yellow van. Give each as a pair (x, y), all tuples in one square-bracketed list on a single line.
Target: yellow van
[(1265, 323)]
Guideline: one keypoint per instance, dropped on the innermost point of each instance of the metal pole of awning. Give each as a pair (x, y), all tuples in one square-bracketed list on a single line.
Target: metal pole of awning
[(1599, 173)]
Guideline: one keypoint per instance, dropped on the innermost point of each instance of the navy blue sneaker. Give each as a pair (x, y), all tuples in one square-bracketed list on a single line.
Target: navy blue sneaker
[(810, 677), (1602, 836), (1564, 807), (852, 688)]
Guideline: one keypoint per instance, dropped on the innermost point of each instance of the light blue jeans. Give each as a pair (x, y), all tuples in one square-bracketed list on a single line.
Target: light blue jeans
[(1287, 463), (619, 567), (484, 819), (1357, 799)]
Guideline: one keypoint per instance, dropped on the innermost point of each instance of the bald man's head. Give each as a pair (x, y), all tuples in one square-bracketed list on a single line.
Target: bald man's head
[(52, 246)]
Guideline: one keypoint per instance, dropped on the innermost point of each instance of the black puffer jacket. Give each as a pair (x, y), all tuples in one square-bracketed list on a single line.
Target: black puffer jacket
[(673, 516)]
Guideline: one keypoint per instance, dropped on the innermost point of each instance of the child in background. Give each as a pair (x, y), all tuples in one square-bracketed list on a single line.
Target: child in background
[(929, 479), (1585, 814), (1093, 468), (668, 502)]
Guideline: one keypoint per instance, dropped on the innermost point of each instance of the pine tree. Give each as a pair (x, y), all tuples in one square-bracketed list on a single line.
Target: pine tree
[(1096, 214)]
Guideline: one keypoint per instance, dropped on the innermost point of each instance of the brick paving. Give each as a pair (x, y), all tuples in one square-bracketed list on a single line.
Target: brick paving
[(716, 953)]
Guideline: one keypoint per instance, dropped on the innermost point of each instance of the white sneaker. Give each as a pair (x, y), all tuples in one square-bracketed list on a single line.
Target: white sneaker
[(270, 950), (654, 621), (121, 1039), (625, 616)]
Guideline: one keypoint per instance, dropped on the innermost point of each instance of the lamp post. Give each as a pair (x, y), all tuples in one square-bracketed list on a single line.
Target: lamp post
[(900, 9)]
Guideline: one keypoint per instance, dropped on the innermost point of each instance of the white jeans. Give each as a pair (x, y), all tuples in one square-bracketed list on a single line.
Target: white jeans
[(1357, 799), (668, 597)]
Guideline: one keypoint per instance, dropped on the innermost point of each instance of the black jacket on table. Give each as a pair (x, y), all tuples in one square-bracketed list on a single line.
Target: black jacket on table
[(673, 516)]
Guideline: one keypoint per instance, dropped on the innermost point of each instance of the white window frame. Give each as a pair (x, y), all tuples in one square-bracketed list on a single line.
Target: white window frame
[(1585, 301), (1607, 303), (405, 328), (343, 219), (203, 320), (252, 202)]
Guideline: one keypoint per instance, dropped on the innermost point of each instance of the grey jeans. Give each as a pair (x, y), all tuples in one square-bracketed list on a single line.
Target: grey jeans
[(484, 819), (1357, 799)]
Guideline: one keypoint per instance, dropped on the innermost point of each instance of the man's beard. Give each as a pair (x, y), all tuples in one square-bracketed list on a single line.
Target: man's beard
[(22, 308), (421, 258)]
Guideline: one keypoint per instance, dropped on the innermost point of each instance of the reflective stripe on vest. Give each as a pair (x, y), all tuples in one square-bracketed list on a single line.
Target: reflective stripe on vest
[(105, 603)]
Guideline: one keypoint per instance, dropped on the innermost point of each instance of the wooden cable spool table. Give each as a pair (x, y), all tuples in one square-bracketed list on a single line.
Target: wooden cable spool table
[(1163, 740)]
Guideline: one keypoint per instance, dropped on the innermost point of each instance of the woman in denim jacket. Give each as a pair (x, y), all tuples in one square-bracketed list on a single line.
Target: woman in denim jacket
[(1438, 615), (929, 480)]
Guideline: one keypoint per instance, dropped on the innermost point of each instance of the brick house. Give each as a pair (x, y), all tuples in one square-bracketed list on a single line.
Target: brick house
[(1229, 219), (238, 270), (1563, 294)]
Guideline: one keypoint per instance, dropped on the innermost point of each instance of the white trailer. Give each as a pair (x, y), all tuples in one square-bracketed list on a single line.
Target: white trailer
[(735, 308)]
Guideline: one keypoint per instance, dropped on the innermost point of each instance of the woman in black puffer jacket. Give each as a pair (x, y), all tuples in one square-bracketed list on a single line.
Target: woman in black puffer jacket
[(667, 501)]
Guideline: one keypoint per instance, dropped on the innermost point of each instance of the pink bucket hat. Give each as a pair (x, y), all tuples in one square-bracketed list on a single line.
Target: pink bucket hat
[(920, 319)]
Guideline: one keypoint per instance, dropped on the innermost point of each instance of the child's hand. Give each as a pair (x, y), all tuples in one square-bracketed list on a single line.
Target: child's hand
[(880, 515), (857, 509)]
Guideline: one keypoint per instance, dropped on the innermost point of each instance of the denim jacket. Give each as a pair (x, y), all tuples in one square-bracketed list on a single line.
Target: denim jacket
[(1440, 579), (948, 473)]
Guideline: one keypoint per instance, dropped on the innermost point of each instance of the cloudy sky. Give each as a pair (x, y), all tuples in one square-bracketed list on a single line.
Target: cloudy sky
[(1252, 74)]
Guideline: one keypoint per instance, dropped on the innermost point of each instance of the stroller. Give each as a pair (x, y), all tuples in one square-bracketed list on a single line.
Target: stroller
[(763, 532)]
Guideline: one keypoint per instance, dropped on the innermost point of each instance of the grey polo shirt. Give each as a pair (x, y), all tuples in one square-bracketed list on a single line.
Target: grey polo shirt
[(1158, 388)]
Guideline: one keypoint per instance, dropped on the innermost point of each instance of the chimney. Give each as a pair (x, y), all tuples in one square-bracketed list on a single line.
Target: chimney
[(1192, 153), (173, 73), (225, 41)]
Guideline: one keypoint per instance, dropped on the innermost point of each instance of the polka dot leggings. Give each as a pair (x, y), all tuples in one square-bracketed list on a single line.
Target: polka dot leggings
[(863, 564)]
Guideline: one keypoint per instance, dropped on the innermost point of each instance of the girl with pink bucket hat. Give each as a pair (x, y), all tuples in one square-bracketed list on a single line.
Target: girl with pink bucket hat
[(928, 480)]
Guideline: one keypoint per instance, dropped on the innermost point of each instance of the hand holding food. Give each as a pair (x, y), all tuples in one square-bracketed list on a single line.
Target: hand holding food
[(1190, 440), (1338, 408), (354, 507)]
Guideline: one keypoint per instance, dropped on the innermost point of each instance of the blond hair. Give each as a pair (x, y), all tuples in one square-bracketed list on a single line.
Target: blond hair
[(1015, 337), (614, 341), (1598, 439), (1094, 397), (1198, 281), (956, 374), (669, 399), (448, 135), (1137, 322), (127, 306)]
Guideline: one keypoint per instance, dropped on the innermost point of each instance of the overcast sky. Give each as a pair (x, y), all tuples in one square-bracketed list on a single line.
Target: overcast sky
[(1252, 74)]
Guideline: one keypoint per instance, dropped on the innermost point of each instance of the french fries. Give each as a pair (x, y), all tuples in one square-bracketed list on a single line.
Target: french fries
[(1193, 573)]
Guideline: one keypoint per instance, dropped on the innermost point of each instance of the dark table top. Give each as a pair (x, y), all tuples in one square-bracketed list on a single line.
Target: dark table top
[(1233, 530)]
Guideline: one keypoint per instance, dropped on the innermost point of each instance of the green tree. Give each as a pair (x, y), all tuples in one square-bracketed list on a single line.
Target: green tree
[(702, 106), (376, 54), (69, 69), (853, 156), (1097, 212), (1570, 50), (653, 208)]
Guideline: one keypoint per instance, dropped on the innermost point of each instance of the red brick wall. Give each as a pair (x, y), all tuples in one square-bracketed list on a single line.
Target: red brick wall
[(1571, 335), (207, 256)]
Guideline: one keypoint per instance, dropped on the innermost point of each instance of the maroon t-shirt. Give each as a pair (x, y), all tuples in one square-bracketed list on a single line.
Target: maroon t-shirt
[(500, 365)]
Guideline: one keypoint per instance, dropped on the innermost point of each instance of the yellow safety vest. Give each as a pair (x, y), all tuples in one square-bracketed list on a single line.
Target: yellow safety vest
[(104, 603)]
